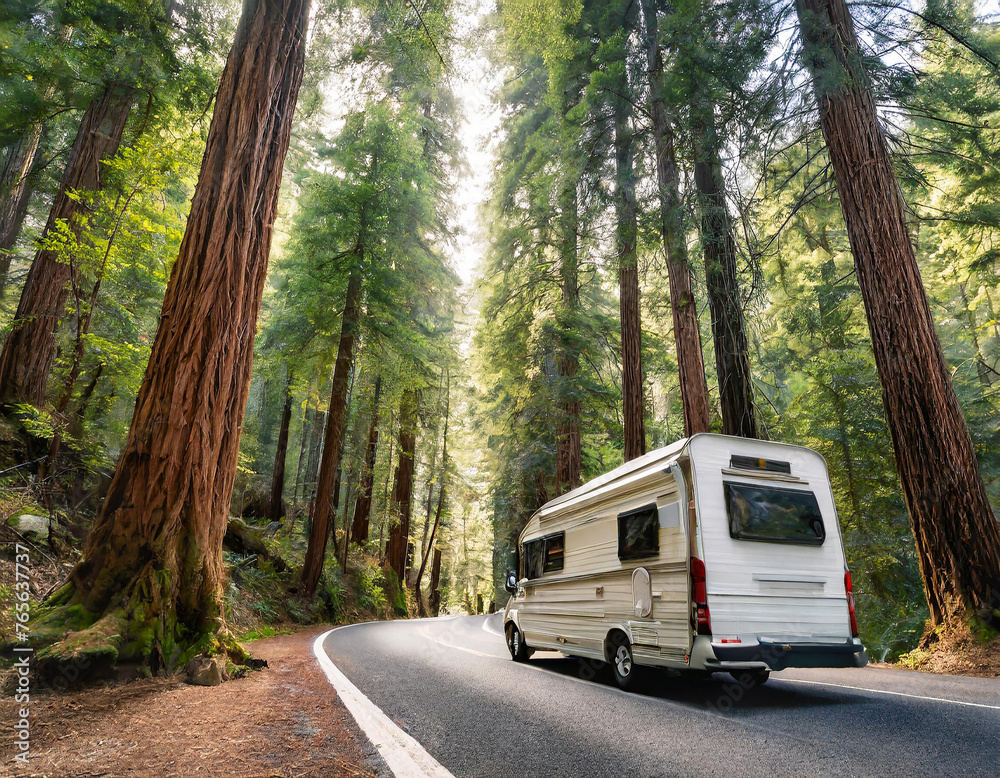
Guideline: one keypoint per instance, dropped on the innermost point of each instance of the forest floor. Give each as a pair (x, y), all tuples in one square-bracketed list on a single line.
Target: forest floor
[(285, 720), (958, 653)]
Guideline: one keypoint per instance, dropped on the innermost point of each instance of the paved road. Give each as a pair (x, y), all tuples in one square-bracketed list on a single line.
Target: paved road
[(451, 685)]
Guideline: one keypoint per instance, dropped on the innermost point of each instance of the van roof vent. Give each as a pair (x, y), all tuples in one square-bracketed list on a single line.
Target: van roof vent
[(753, 463)]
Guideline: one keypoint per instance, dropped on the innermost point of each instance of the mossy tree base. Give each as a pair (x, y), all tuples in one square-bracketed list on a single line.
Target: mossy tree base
[(74, 646)]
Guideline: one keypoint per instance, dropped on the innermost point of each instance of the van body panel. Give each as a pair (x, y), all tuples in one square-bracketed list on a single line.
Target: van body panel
[(573, 609), (760, 590)]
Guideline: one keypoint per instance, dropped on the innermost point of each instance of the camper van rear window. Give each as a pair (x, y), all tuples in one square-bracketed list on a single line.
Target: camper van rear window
[(543, 555), (639, 533), (775, 515)]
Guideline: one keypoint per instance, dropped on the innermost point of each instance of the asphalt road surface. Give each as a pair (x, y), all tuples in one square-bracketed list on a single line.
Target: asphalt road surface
[(451, 685)]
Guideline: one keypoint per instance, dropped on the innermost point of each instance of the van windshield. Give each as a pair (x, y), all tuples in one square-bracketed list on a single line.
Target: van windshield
[(775, 515)]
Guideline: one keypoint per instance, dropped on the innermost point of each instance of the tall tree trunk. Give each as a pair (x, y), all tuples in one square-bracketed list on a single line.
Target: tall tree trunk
[(957, 538), (568, 444), (434, 600), (428, 542), (732, 355), (280, 453), (15, 179), (15, 194), (384, 500), (312, 566), (315, 451), (152, 569), (30, 347), (633, 403), (402, 491), (687, 335), (363, 507), (305, 433)]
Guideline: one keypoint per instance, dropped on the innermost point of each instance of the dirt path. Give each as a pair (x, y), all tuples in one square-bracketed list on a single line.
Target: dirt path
[(283, 721)]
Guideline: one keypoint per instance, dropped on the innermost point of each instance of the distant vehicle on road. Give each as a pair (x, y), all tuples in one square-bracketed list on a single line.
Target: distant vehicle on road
[(713, 554)]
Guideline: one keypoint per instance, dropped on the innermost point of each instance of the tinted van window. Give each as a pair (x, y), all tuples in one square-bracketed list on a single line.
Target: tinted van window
[(772, 514), (543, 555), (639, 533)]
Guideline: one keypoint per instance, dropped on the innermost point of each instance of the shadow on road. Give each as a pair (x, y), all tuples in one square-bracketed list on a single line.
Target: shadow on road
[(718, 692)]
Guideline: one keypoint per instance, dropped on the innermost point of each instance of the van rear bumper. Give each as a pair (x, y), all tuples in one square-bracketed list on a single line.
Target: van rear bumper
[(778, 656)]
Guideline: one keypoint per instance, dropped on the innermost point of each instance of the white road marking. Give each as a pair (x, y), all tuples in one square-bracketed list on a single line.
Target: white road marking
[(472, 651), (894, 694), (404, 755), (487, 628)]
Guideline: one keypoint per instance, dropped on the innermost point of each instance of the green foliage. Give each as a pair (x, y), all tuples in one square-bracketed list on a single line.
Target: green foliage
[(371, 588)]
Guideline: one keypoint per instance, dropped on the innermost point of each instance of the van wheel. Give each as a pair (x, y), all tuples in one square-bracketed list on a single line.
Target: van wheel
[(751, 678), (623, 663), (516, 645)]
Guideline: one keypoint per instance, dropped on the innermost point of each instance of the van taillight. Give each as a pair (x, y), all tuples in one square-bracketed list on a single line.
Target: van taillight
[(699, 597), (850, 603)]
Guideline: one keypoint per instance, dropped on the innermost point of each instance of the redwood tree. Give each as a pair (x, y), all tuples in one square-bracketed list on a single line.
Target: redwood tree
[(633, 405), (402, 490), (568, 443), (280, 454), (152, 569), (333, 448), (363, 506), (957, 539), (30, 348), (687, 335), (732, 353), (15, 192)]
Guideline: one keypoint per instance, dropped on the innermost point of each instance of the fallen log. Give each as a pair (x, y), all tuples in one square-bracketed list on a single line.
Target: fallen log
[(244, 539)]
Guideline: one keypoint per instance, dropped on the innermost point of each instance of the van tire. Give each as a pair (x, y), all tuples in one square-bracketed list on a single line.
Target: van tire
[(519, 651), (622, 661)]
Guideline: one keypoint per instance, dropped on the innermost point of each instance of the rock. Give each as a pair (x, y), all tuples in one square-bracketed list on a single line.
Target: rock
[(30, 525), (207, 670)]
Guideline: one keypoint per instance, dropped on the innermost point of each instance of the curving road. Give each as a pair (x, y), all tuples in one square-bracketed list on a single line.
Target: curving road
[(451, 685)]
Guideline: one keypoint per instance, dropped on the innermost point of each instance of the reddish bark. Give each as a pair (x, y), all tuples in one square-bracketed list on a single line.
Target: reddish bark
[(280, 454), (428, 542), (15, 192), (568, 443), (333, 443), (732, 352), (957, 539), (30, 347), (153, 560), (687, 335), (434, 600), (363, 506), (633, 404), (402, 491), (15, 181), (308, 419)]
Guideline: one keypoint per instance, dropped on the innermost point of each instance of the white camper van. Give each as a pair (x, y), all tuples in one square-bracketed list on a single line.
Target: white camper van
[(713, 554)]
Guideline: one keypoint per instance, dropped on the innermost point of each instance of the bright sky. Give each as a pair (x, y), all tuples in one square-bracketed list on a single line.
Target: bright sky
[(474, 80)]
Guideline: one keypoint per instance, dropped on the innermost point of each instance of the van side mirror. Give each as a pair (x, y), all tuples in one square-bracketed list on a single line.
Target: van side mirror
[(511, 583)]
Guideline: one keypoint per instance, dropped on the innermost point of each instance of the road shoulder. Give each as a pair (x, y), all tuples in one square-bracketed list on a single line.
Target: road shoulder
[(283, 721)]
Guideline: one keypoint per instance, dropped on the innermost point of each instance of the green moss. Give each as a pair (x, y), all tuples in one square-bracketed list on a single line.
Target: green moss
[(262, 632)]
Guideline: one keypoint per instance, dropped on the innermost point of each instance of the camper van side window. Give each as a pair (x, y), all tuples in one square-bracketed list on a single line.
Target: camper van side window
[(774, 515), (554, 549), (639, 533), (543, 555), (532, 558)]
